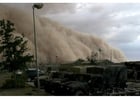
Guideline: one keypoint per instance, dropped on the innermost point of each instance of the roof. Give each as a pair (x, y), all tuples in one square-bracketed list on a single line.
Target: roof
[(89, 66)]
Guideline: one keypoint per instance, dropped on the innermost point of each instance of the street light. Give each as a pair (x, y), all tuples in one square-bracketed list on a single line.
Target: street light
[(37, 6)]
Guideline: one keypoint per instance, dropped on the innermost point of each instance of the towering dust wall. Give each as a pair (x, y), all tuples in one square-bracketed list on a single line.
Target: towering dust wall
[(57, 43)]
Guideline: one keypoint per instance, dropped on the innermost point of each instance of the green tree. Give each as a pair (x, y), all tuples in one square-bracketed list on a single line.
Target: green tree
[(13, 48)]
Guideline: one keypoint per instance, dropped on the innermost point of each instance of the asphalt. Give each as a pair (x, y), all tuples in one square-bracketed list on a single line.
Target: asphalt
[(31, 84)]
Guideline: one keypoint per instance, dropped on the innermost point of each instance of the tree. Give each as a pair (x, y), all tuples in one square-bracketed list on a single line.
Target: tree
[(13, 48)]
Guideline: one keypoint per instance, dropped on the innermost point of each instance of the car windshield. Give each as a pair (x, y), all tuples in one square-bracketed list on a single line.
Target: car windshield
[(56, 75), (95, 70), (31, 71), (69, 76), (82, 77), (77, 77)]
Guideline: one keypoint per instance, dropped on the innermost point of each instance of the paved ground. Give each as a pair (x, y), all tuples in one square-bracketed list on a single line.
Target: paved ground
[(31, 84)]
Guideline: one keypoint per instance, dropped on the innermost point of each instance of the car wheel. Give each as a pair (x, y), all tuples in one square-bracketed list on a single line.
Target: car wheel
[(79, 93)]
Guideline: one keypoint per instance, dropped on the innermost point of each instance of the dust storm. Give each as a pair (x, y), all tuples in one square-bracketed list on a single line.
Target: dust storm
[(57, 43)]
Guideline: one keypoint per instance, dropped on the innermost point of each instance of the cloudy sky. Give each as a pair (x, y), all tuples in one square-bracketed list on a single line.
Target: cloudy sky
[(117, 23)]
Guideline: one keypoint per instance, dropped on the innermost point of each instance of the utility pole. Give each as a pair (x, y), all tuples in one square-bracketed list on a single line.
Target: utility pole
[(37, 6)]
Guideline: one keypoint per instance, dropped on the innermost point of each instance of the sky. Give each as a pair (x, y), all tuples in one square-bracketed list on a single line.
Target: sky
[(117, 23)]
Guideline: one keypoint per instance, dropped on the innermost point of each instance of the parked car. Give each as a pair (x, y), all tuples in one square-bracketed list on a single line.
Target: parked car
[(68, 83), (97, 81), (31, 73), (63, 83)]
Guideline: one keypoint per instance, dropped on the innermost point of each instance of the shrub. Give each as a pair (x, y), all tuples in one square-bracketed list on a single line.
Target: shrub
[(17, 81)]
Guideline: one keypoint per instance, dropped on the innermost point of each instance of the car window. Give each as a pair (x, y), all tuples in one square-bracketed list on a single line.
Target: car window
[(55, 75), (95, 70)]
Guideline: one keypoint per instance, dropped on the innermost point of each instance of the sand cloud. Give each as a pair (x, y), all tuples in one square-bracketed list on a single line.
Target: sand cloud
[(55, 40)]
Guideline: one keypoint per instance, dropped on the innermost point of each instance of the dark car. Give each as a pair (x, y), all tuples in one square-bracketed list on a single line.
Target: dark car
[(70, 84), (31, 73), (66, 84), (100, 82)]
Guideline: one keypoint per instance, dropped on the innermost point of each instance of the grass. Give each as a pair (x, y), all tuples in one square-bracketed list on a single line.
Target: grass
[(27, 91)]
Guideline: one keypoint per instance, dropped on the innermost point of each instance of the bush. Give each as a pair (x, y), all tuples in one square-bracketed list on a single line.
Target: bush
[(17, 81)]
